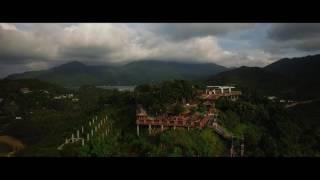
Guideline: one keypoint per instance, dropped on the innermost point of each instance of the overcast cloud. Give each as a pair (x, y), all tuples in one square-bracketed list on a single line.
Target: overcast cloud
[(299, 36), (41, 45)]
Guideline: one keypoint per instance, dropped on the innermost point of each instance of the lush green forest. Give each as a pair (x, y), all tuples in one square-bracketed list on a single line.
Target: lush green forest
[(287, 78), (123, 140), (45, 122), (269, 129)]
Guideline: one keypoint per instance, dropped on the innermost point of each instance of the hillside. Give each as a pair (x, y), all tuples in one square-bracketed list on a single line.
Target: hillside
[(8, 87), (290, 78), (269, 128), (77, 74), (307, 117), (40, 120), (254, 78), (302, 71), (300, 68)]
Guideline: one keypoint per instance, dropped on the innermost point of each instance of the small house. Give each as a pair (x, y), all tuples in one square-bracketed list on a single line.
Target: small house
[(272, 97), (25, 90), (75, 100)]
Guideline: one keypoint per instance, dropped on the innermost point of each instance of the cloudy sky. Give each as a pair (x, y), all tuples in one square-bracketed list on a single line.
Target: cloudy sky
[(36, 46)]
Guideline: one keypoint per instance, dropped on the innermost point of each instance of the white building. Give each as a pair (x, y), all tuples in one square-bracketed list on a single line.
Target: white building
[(272, 97), (75, 100), (45, 91), (219, 89), (25, 90), (57, 97)]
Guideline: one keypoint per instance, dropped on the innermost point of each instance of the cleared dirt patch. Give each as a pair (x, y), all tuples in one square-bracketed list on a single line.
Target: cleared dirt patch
[(14, 143)]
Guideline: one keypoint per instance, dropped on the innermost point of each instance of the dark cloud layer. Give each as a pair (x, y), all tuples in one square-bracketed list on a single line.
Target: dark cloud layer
[(84, 52), (182, 31), (37, 46), (19, 47), (294, 31), (301, 36)]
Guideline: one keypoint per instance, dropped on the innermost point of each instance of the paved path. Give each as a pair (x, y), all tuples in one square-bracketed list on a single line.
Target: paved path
[(300, 102)]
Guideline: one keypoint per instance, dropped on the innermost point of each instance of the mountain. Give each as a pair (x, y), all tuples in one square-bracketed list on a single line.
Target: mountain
[(253, 77), (302, 70), (161, 70), (296, 67), (291, 78), (77, 74), (73, 74)]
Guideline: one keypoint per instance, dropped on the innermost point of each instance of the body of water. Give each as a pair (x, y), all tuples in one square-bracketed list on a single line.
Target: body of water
[(120, 88)]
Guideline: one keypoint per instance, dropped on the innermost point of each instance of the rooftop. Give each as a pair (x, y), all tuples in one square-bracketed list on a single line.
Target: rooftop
[(221, 87)]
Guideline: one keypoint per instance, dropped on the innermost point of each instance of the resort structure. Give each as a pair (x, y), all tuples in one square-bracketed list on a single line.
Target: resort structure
[(196, 120), (215, 92)]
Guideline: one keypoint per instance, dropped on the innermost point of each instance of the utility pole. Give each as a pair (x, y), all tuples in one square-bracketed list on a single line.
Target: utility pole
[(231, 149), (150, 128), (242, 146), (138, 130)]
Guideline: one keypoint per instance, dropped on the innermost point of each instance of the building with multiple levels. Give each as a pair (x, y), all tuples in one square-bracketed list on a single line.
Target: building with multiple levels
[(196, 120), (215, 92)]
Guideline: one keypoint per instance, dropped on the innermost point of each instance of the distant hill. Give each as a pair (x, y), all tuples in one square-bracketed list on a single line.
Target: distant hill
[(303, 70), (77, 74), (296, 67), (251, 77), (292, 78)]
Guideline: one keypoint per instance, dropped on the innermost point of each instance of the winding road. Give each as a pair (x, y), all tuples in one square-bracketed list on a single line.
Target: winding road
[(300, 102)]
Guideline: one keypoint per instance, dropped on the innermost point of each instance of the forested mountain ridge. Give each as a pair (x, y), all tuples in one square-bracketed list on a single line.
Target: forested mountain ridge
[(139, 72), (290, 78)]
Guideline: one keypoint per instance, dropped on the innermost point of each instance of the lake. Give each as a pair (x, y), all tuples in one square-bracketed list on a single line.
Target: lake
[(120, 88)]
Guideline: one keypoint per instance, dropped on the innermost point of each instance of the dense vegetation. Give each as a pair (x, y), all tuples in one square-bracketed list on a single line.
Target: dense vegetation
[(288, 78), (158, 98), (307, 116), (45, 122), (123, 140), (268, 128)]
